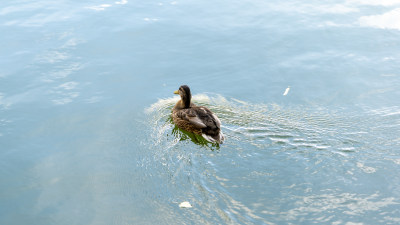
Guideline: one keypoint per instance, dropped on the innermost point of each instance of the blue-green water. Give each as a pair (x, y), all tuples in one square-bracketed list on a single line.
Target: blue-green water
[(86, 91)]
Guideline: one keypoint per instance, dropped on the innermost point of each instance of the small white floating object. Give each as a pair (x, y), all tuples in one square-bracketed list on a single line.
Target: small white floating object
[(286, 91), (185, 205)]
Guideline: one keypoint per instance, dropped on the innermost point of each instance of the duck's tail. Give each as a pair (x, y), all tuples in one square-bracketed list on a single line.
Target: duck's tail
[(219, 138)]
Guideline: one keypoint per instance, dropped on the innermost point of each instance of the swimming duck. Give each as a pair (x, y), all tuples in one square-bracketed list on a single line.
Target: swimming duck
[(196, 119)]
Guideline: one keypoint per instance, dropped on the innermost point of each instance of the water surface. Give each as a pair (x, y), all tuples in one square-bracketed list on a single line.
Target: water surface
[(86, 93)]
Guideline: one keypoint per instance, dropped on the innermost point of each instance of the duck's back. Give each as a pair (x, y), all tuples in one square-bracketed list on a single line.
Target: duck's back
[(199, 120), (208, 118)]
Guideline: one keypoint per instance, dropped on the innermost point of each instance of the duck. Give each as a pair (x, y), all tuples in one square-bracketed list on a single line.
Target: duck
[(196, 119)]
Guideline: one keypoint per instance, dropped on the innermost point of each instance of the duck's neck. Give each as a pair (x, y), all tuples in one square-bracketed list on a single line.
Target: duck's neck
[(183, 105), (185, 101)]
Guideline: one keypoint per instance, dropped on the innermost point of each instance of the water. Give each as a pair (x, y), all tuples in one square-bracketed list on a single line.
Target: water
[(86, 92)]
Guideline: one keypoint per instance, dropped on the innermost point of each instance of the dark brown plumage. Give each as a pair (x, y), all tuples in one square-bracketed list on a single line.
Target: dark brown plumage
[(196, 119)]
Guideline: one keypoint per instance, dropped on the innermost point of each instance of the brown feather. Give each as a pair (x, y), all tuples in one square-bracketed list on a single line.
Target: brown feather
[(196, 119)]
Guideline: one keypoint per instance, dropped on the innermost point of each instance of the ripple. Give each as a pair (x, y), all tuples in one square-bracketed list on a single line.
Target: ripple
[(68, 85), (347, 149), (53, 56), (66, 98), (3, 103), (366, 169), (262, 123), (276, 141), (102, 7), (348, 203), (99, 7), (62, 72), (122, 2), (386, 111), (376, 2)]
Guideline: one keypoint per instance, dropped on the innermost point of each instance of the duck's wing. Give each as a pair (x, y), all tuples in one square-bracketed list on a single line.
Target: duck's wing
[(197, 122), (191, 116), (216, 120), (207, 117)]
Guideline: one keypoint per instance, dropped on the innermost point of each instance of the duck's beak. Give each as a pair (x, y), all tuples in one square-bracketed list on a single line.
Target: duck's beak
[(176, 92)]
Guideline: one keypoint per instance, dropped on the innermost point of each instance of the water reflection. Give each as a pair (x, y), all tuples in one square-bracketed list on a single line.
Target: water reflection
[(122, 2), (183, 135), (375, 2), (62, 72), (297, 158), (3, 103), (99, 7), (102, 7), (388, 20)]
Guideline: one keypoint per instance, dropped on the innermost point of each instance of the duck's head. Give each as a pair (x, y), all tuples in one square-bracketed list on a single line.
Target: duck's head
[(186, 96)]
